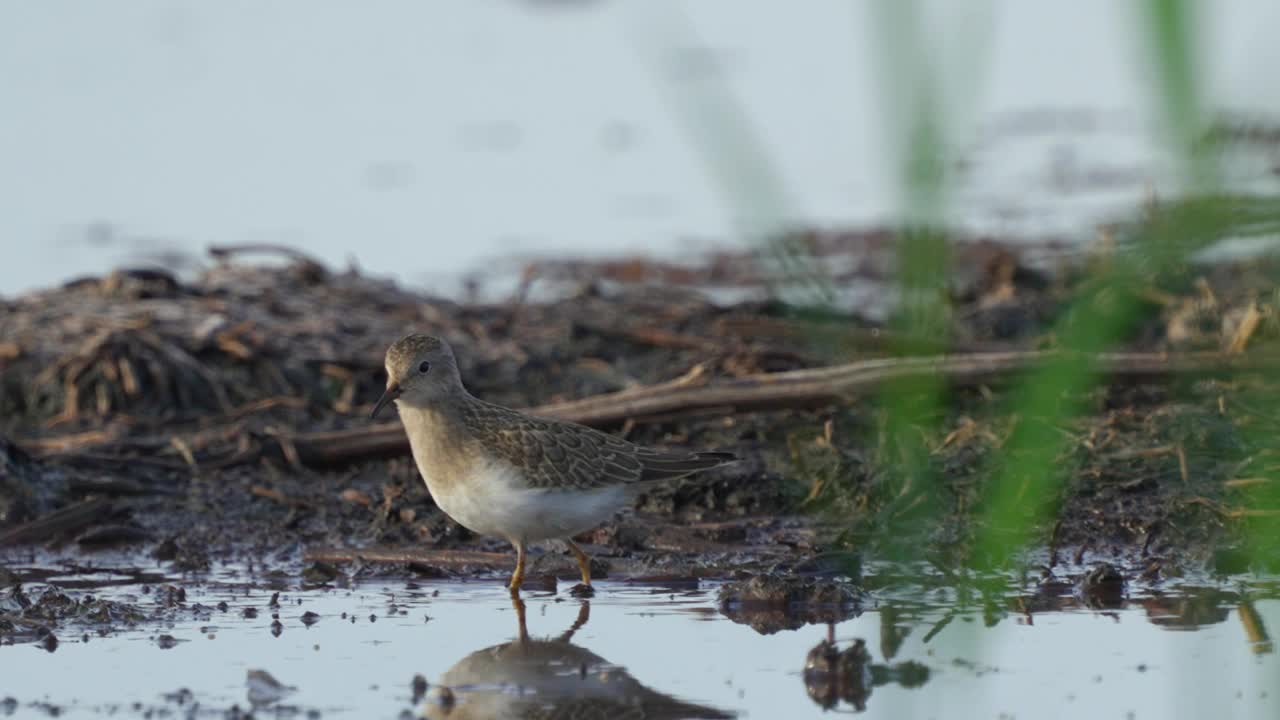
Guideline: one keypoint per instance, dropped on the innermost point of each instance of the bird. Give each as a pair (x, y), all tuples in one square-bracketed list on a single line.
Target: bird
[(500, 472)]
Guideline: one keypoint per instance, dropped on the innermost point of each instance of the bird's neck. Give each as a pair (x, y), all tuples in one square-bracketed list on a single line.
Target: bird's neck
[(440, 417), (437, 432)]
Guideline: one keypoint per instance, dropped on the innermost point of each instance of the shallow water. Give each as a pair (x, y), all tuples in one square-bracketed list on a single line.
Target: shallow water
[(1177, 650)]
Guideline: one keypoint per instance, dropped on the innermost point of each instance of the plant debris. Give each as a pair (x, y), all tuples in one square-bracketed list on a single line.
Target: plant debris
[(226, 416)]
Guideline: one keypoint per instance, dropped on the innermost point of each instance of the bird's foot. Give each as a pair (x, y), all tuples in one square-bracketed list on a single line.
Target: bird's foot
[(582, 590)]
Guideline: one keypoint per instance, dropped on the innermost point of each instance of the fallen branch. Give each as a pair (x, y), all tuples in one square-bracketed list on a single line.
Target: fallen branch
[(694, 393)]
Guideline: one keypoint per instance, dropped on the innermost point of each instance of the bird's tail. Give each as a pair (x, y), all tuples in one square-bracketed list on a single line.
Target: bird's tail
[(668, 466)]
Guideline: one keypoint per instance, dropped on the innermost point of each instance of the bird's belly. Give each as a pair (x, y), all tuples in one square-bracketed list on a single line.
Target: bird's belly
[(495, 502)]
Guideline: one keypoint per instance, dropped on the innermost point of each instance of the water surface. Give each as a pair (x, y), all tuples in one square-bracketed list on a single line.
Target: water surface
[(1177, 650)]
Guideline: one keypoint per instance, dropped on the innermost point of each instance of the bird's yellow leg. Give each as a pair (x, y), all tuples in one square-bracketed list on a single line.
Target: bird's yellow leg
[(584, 562), (517, 577)]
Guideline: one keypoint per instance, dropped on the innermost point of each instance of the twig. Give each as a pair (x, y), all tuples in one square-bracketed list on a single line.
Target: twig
[(1246, 482), (1232, 513), (267, 404), (70, 442), (184, 450), (439, 558), (269, 493), (97, 460), (114, 486), (225, 251), (1248, 324)]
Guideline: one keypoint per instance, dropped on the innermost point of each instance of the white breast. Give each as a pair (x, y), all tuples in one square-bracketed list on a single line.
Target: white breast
[(494, 500)]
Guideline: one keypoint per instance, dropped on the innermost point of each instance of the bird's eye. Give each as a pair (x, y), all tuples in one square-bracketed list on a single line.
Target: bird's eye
[(424, 367)]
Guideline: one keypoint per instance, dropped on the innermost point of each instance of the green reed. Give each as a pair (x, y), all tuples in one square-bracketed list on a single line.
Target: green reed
[(1021, 483)]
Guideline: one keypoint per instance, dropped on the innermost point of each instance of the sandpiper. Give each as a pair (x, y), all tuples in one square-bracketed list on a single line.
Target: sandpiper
[(501, 472)]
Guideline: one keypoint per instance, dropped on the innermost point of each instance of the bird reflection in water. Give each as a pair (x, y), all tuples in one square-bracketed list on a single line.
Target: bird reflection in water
[(832, 675), (528, 678)]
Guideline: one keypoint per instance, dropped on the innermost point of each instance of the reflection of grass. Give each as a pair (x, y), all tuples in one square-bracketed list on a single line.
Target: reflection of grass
[(910, 492)]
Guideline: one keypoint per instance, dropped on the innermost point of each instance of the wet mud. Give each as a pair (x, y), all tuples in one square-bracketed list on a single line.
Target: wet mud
[(176, 421)]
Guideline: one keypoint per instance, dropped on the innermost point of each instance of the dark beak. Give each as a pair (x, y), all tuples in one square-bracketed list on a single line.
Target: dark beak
[(392, 392)]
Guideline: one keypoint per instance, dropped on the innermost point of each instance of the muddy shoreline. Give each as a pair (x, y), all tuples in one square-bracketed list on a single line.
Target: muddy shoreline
[(156, 416)]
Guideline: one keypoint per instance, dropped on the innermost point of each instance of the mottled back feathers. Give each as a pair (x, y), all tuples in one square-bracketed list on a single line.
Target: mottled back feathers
[(555, 454)]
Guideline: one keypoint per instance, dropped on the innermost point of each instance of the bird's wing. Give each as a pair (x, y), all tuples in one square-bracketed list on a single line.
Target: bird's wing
[(557, 454)]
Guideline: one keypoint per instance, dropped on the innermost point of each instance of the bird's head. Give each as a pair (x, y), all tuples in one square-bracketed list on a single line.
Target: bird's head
[(420, 370)]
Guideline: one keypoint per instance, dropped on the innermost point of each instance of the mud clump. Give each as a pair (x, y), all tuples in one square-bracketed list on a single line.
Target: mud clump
[(320, 573), (1102, 586), (771, 603), (31, 617)]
